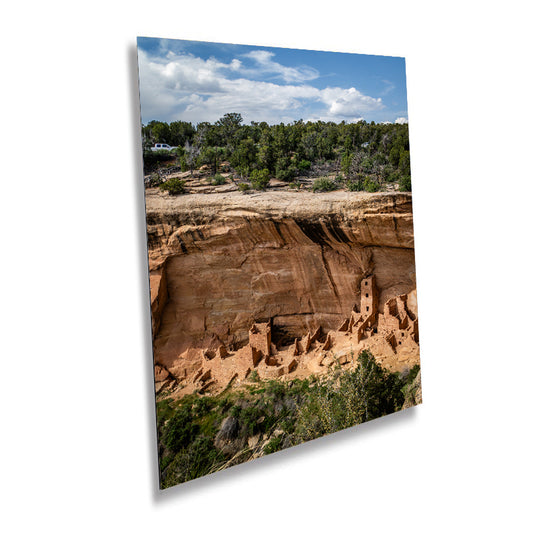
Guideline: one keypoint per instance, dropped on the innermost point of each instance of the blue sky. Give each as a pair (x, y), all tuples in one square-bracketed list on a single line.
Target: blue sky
[(200, 81)]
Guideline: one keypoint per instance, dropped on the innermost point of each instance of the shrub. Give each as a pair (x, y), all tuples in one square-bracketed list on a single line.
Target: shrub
[(287, 174), (353, 185), (198, 460), (288, 412), (273, 445), (174, 186), (304, 165), (413, 371), (324, 185), (153, 180), (218, 180), (152, 159), (180, 430), (259, 179), (184, 163), (370, 185), (356, 183), (338, 402), (243, 187), (405, 183)]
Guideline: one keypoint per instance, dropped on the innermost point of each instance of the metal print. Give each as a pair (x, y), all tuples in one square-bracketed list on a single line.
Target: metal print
[(281, 249)]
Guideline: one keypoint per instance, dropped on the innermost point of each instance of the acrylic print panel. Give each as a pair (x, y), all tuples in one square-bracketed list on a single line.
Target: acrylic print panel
[(281, 251)]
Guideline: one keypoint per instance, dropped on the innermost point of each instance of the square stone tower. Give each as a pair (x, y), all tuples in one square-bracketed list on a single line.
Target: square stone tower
[(369, 297)]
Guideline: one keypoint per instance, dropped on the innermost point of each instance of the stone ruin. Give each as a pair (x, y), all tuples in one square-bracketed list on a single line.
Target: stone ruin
[(392, 337)]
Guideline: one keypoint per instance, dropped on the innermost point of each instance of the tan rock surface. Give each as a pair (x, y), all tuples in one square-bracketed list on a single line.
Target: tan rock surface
[(223, 262)]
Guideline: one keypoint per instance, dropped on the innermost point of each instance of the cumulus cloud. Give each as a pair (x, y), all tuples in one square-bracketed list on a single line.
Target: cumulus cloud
[(255, 100), (348, 102), (401, 120), (185, 87)]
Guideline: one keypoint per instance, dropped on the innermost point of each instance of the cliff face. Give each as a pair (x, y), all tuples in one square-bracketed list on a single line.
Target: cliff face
[(219, 263)]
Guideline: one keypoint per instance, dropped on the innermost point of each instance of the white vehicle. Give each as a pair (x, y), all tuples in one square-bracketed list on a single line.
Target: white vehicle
[(161, 146)]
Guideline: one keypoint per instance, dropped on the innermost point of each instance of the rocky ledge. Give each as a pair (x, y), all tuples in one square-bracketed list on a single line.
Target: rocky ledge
[(221, 263)]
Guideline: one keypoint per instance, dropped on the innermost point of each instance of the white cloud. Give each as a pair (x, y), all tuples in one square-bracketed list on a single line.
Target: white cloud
[(401, 120), (185, 87), (263, 58), (349, 102), (255, 100)]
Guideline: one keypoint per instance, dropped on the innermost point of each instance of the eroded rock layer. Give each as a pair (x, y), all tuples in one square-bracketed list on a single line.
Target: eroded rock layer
[(222, 263)]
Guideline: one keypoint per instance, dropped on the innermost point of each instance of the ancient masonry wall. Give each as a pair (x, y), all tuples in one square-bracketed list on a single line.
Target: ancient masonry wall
[(216, 368)]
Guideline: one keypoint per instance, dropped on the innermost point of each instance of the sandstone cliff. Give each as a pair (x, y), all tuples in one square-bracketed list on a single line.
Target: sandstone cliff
[(220, 263)]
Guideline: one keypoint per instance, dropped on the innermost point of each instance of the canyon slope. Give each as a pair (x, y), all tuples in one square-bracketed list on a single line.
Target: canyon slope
[(275, 282)]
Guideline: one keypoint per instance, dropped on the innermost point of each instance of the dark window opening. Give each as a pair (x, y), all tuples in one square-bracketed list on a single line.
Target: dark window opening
[(399, 342), (366, 283), (375, 330), (367, 307), (367, 295)]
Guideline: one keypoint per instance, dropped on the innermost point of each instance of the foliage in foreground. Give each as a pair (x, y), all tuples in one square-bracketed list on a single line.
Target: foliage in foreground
[(276, 414)]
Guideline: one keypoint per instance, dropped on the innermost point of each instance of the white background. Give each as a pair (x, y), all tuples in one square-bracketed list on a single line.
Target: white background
[(78, 445)]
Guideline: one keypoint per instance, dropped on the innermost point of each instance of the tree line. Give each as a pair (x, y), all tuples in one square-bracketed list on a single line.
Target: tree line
[(364, 155)]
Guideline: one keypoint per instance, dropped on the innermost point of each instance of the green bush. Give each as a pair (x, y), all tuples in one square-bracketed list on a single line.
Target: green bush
[(412, 374), (153, 159), (370, 185), (389, 174), (301, 409), (356, 183), (304, 165), (243, 187), (338, 402), (180, 430), (183, 163), (324, 185), (287, 174), (353, 185), (274, 445), (198, 460), (259, 179), (218, 179), (405, 183), (174, 186)]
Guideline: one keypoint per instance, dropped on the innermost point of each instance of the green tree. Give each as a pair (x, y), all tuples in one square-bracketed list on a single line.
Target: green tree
[(228, 126), (160, 132), (404, 164), (266, 157), (211, 155), (244, 158), (180, 132)]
